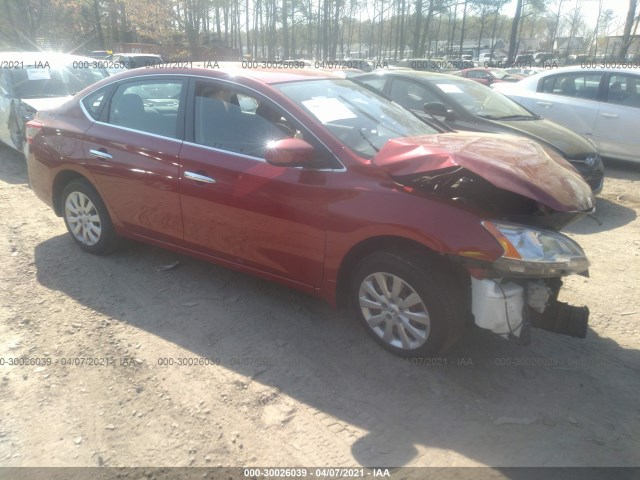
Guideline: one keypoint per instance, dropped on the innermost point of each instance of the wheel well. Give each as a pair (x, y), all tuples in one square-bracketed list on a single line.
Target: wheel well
[(400, 245), (61, 181)]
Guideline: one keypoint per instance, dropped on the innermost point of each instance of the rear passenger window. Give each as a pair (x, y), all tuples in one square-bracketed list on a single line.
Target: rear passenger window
[(147, 106), (580, 85)]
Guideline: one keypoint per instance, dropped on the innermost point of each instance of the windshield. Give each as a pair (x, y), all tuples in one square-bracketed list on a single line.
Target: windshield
[(57, 81), (361, 119), (481, 101)]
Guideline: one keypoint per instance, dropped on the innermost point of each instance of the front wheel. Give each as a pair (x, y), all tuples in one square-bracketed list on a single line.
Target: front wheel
[(408, 304), (87, 218)]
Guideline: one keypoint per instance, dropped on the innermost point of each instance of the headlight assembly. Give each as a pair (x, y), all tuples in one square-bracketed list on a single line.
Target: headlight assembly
[(534, 252)]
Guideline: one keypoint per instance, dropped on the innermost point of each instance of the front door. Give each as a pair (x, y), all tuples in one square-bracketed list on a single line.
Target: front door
[(241, 209)]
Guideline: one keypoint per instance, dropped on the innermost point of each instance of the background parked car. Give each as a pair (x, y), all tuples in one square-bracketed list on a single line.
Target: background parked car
[(524, 60), (126, 61), (427, 64), (486, 57), (34, 81), (465, 105), (602, 104), (99, 54), (544, 58), (489, 76), (525, 71), (326, 187)]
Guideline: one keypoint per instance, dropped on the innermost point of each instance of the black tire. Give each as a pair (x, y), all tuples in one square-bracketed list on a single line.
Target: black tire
[(106, 240), (441, 298)]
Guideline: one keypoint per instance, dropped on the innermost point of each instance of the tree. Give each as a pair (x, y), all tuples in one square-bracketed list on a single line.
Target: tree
[(514, 33), (628, 25)]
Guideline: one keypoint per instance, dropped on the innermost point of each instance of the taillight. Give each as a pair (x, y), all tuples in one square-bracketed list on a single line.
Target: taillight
[(31, 129)]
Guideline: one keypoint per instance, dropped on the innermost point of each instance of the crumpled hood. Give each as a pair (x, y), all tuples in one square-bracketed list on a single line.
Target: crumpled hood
[(47, 103), (511, 163)]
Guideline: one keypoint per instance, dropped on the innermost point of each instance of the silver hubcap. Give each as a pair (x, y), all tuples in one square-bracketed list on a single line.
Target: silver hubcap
[(82, 218), (394, 311)]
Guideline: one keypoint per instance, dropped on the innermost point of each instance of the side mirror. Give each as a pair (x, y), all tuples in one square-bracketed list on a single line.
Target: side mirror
[(289, 152), (438, 110)]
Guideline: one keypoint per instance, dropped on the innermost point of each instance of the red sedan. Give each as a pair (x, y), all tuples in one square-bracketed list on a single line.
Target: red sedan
[(320, 184), (487, 76)]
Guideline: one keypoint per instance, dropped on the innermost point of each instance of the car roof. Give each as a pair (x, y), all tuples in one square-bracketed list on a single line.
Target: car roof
[(409, 73), (137, 54), (32, 58), (230, 69), (532, 81), (596, 68)]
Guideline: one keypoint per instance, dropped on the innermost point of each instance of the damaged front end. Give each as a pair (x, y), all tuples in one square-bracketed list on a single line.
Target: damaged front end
[(520, 289), (525, 194)]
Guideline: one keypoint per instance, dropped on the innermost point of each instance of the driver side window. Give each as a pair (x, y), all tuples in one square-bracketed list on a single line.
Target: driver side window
[(233, 119), (228, 119)]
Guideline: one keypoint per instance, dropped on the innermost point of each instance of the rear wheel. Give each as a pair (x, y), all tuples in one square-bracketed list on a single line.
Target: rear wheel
[(408, 304), (87, 218)]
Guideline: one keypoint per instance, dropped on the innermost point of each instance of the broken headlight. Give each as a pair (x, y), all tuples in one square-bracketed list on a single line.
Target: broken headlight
[(534, 252)]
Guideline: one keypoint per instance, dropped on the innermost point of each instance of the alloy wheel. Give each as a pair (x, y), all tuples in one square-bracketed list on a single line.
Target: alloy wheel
[(394, 311), (83, 218)]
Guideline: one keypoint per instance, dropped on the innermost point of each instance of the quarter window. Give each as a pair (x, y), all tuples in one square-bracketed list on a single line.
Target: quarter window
[(147, 106), (94, 102)]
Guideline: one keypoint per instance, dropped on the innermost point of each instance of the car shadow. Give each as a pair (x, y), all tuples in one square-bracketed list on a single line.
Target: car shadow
[(487, 400), (16, 171), (621, 169), (611, 213)]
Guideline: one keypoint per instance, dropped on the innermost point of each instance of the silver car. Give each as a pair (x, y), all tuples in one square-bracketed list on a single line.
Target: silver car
[(601, 103), (34, 81)]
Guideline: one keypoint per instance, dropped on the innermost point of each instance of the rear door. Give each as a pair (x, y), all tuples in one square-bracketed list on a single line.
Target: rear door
[(616, 131), (570, 99), (132, 153)]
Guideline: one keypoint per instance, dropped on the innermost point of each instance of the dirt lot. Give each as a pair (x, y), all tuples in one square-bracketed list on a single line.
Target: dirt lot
[(294, 383)]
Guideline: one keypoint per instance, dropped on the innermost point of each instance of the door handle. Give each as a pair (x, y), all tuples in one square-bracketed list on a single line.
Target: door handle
[(544, 104), (198, 177), (609, 115), (101, 154)]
